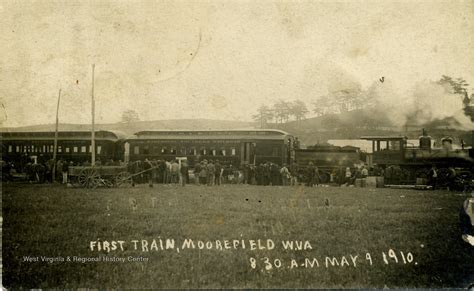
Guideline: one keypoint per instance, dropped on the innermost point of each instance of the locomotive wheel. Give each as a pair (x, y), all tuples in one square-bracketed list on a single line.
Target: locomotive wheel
[(123, 179), (443, 177), (88, 178)]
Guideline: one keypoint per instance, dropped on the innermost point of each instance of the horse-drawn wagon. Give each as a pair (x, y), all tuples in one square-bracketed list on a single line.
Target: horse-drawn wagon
[(95, 176)]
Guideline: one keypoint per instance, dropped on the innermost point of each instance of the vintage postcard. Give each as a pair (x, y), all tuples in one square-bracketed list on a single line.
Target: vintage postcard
[(237, 144)]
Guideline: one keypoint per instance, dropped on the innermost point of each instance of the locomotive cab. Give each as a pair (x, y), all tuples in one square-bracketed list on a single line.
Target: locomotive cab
[(387, 149)]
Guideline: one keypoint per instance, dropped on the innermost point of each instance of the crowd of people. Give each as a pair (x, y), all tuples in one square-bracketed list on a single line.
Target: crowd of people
[(215, 172)]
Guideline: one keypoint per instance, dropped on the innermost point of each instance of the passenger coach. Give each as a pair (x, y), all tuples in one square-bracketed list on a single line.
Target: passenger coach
[(228, 146), (74, 146)]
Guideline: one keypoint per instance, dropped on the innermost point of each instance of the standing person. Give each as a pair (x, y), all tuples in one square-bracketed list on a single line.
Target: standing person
[(236, 173), (203, 173), (49, 170), (59, 167), (184, 172), (317, 177), (266, 174), (65, 170), (433, 177), (219, 171), (161, 171), (388, 176), (348, 176), (197, 172), (364, 172), (285, 175), (168, 172), (294, 173), (245, 172), (156, 171), (310, 174), (148, 167), (211, 173), (252, 173), (174, 172)]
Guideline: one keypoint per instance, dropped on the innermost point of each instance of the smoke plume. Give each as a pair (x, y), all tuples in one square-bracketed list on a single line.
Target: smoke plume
[(426, 102)]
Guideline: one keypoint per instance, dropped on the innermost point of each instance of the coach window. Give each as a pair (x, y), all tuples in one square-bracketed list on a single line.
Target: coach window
[(83, 149), (192, 151), (156, 150), (164, 150), (60, 149), (232, 151), (99, 149), (136, 150), (213, 152), (74, 149), (182, 151), (146, 150), (10, 148), (51, 148), (173, 151), (66, 149), (222, 152), (203, 151)]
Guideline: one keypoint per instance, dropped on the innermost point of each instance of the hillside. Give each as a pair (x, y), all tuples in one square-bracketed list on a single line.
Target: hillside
[(349, 125)]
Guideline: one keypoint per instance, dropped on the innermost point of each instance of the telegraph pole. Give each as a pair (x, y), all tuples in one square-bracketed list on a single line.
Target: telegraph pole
[(93, 120), (56, 138)]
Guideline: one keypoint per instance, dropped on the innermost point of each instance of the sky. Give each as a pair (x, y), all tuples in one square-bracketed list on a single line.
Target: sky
[(218, 59)]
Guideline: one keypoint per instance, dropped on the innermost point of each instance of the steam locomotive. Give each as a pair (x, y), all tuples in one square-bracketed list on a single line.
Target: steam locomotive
[(416, 161)]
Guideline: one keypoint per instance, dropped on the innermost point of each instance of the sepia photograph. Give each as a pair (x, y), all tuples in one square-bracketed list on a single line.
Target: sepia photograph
[(237, 144)]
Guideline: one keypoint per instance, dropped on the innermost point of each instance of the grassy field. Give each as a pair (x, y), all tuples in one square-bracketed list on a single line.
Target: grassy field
[(54, 221)]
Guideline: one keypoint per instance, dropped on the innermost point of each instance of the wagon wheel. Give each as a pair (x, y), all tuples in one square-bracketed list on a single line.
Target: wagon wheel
[(89, 178), (123, 179), (108, 182)]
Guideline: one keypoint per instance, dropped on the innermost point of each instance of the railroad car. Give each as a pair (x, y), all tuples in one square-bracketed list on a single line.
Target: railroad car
[(21, 147), (236, 147)]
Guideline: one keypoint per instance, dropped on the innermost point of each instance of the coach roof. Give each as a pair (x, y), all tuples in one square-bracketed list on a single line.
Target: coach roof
[(62, 135), (270, 134)]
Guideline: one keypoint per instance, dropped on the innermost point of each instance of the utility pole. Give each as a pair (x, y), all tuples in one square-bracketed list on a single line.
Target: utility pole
[(93, 120), (56, 138)]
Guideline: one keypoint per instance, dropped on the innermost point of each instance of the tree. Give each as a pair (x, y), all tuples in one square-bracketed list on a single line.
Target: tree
[(264, 115), (458, 86), (321, 105), (130, 116), (298, 109), (282, 110)]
